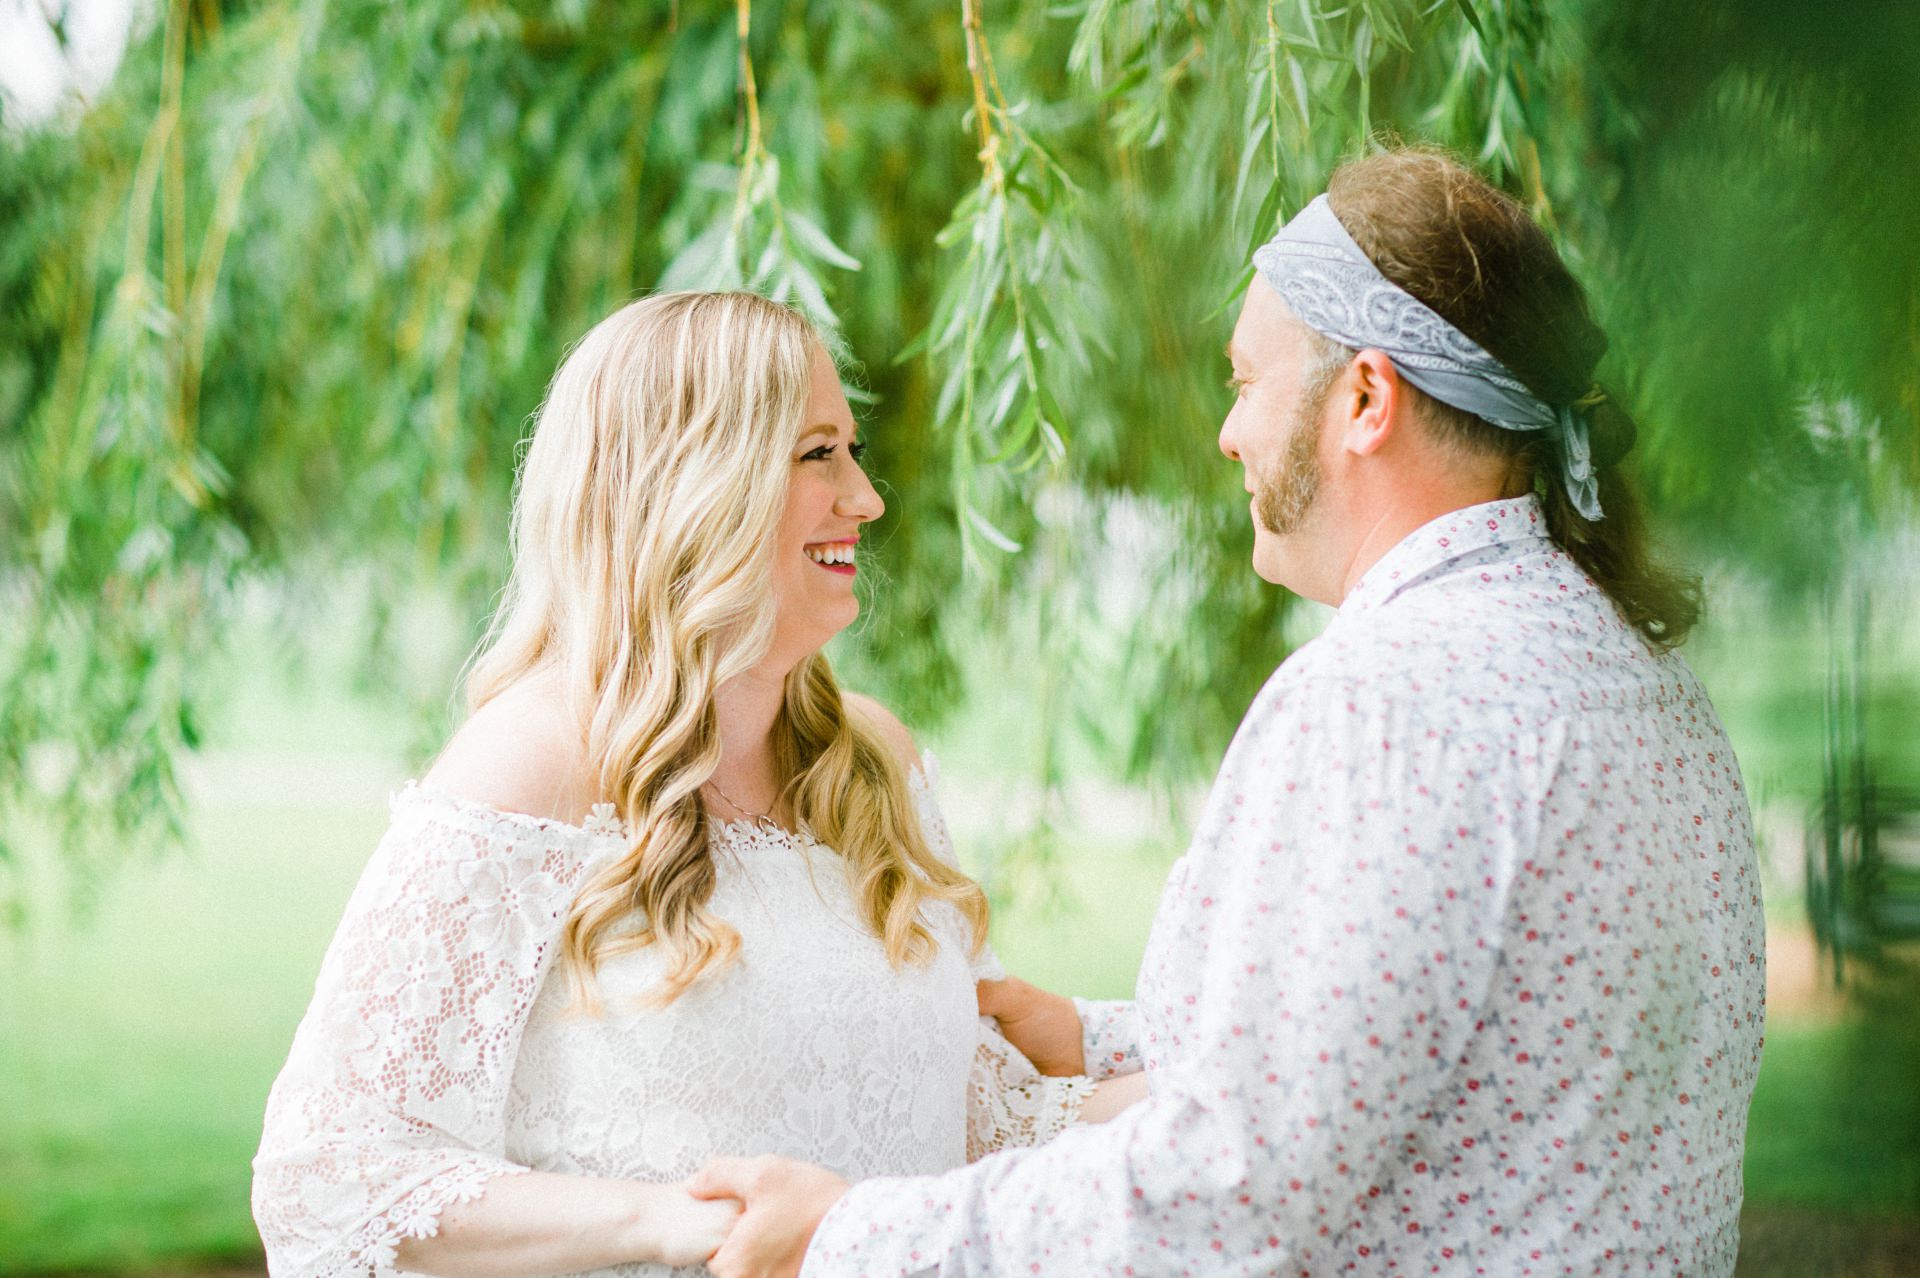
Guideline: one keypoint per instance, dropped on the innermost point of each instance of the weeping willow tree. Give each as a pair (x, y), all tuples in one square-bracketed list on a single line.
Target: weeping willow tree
[(275, 308)]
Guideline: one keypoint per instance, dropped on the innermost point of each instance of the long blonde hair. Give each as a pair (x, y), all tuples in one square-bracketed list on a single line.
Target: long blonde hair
[(644, 526)]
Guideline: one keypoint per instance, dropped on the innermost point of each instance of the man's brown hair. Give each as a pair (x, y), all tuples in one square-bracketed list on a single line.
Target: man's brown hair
[(1473, 254)]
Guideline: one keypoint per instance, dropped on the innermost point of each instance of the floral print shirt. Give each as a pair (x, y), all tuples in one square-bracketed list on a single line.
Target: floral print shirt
[(1462, 973)]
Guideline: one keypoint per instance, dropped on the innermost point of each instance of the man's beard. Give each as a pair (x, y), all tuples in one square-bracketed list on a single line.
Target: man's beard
[(1282, 500)]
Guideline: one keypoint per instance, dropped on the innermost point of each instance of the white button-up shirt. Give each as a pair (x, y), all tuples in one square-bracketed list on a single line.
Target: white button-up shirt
[(1462, 974)]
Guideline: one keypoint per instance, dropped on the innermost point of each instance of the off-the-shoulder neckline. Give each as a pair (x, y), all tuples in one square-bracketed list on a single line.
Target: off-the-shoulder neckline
[(603, 823)]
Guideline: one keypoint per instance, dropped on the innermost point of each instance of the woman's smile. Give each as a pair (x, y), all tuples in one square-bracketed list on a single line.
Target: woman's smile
[(834, 556)]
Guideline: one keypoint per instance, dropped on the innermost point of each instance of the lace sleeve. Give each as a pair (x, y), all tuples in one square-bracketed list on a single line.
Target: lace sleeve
[(1009, 1102), (391, 1104)]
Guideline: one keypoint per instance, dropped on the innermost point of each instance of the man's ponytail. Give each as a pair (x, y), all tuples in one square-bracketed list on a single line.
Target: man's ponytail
[(1614, 550)]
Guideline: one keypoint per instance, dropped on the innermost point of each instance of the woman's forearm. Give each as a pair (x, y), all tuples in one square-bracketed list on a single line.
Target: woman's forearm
[(546, 1223), (1112, 1096)]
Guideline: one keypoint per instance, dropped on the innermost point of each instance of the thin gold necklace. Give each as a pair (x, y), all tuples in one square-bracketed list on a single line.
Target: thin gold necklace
[(742, 808)]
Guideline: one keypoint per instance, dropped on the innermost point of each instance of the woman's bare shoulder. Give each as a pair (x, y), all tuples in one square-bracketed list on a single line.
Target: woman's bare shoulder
[(520, 752), (886, 723)]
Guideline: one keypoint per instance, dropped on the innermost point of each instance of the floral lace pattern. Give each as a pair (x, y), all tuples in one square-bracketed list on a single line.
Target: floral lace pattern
[(445, 944), (439, 1051), (1010, 1104)]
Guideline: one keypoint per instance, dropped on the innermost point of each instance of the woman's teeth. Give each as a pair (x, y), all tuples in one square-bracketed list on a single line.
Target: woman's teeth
[(838, 553)]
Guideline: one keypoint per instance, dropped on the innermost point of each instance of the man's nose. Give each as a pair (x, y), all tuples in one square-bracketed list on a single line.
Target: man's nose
[(1229, 440)]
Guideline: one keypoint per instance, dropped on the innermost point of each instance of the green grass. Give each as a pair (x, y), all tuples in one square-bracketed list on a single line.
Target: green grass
[(1089, 942), (1835, 1122), (139, 1043), (141, 1047)]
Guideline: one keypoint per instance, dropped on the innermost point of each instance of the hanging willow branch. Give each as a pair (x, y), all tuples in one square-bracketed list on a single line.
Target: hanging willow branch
[(993, 328), (759, 241), (275, 308)]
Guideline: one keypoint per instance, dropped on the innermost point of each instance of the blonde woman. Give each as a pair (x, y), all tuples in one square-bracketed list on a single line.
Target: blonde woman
[(669, 892)]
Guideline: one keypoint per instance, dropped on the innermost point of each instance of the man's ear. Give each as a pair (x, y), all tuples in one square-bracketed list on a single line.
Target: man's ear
[(1368, 407)]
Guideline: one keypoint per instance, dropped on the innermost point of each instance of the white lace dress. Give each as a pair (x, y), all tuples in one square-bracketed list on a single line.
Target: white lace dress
[(438, 1052)]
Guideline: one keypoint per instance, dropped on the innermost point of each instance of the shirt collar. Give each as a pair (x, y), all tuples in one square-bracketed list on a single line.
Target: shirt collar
[(1440, 542)]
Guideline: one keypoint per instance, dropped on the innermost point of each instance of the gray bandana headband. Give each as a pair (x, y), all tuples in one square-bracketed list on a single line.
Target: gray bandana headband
[(1335, 289)]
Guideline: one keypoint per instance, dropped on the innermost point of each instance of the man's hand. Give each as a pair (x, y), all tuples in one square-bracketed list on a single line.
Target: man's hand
[(785, 1202), (1045, 1027)]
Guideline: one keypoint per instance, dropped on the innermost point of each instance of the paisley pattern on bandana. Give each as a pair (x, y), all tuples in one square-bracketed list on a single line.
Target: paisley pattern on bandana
[(1333, 287)]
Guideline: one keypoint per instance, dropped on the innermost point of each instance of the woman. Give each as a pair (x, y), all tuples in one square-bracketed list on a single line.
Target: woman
[(668, 892)]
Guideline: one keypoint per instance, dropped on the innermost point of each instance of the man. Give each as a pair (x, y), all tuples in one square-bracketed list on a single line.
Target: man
[(1463, 971)]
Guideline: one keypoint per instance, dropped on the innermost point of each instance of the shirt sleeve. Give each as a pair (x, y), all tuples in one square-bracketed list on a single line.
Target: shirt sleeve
[(1010, 1104), (391, 1105), (1327, 951), (1109, 1037)]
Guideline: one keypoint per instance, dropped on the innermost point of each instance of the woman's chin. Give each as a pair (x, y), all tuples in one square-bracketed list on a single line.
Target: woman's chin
[(848, 613), (822, 622)]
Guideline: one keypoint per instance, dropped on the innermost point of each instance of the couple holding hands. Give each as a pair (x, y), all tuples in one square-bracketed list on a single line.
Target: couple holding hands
[(666, 964)]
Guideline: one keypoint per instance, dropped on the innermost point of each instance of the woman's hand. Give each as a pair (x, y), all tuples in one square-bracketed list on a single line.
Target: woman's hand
[(1045, 1027), (689, 1230)]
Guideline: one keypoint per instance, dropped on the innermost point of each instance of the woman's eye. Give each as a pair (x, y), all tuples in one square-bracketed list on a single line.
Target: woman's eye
[(1236, 385), (825, 452)]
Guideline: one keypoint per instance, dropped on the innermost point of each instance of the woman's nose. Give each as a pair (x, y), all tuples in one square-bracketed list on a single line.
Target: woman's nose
[(858, 499)]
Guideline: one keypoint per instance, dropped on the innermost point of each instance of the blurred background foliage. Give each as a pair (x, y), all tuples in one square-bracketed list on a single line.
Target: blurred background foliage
[(277, 300), (276, 304)]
